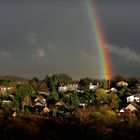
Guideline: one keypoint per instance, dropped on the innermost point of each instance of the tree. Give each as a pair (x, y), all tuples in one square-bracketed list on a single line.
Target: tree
[(101, 96), (74, 100), (132, 83), (119, 78), (122, 96), (87, 97), (16, 104), (85, 82), (34, 82), (53, 96), (104, 84), (5, 82), (21, 92), (63, 78), (42, 87), (113, 100), (96, 81), (51, 82), (64, 97)]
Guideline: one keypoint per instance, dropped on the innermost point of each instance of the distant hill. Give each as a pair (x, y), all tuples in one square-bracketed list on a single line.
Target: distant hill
[(14, 78)]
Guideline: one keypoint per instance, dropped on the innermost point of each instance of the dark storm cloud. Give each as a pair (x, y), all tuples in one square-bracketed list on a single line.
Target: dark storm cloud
[(121, 21), (28, 29), (51, 36)]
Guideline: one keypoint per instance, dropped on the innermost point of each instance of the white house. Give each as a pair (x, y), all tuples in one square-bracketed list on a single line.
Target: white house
[(93, 87), (72, 87), (133, 98), (6, 102), (82, 104), (62, 88), (68, 87), (113, 89), (5, 89)]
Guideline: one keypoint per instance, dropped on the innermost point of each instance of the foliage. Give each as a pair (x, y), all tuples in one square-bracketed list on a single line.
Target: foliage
[(63, 78), (113, 100), (4, 82), (132, 83), (64, 97), (121, 92), (96, 115), (38, 85), (85, 82), (20, 93), (87, 97), (74, 100), (122, 96), (109, 116), (16, 104), (119, 78), (53, 96), (101, 96), (51, 82), (34, 80), (83, 114), (27, 112), (104, 84)]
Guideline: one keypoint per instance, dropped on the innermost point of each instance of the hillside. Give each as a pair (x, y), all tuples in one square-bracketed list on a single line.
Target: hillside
[(14, 78)]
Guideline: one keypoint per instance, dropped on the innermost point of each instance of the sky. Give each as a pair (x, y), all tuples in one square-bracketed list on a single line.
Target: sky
[(40, 37)]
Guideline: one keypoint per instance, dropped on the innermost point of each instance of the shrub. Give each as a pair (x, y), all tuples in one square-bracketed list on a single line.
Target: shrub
[(83, 113), (96, 115), (109, 117)]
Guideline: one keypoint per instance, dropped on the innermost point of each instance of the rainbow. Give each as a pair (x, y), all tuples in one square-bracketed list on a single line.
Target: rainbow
[(99, 39)]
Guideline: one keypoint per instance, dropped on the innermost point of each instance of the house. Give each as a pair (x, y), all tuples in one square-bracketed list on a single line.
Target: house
[(4, 89), (38, 104), (14, 114), (68, 87), (80, 91), (62, 88), (6, 102), (27, 101), (72, 87), (133, 98), (133, 107), (93, 87), (60, 104), (113, 89), (45, 110), (127, 115), (43, 93), (40, 101), (82, 105), (122, 83)]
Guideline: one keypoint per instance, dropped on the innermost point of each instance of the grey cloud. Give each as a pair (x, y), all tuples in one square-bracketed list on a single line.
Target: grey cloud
[(125, 60), (121, 22), (51, 47), (32, 38), (125, 54), (53, 36), (5, 54), (40, 53)]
